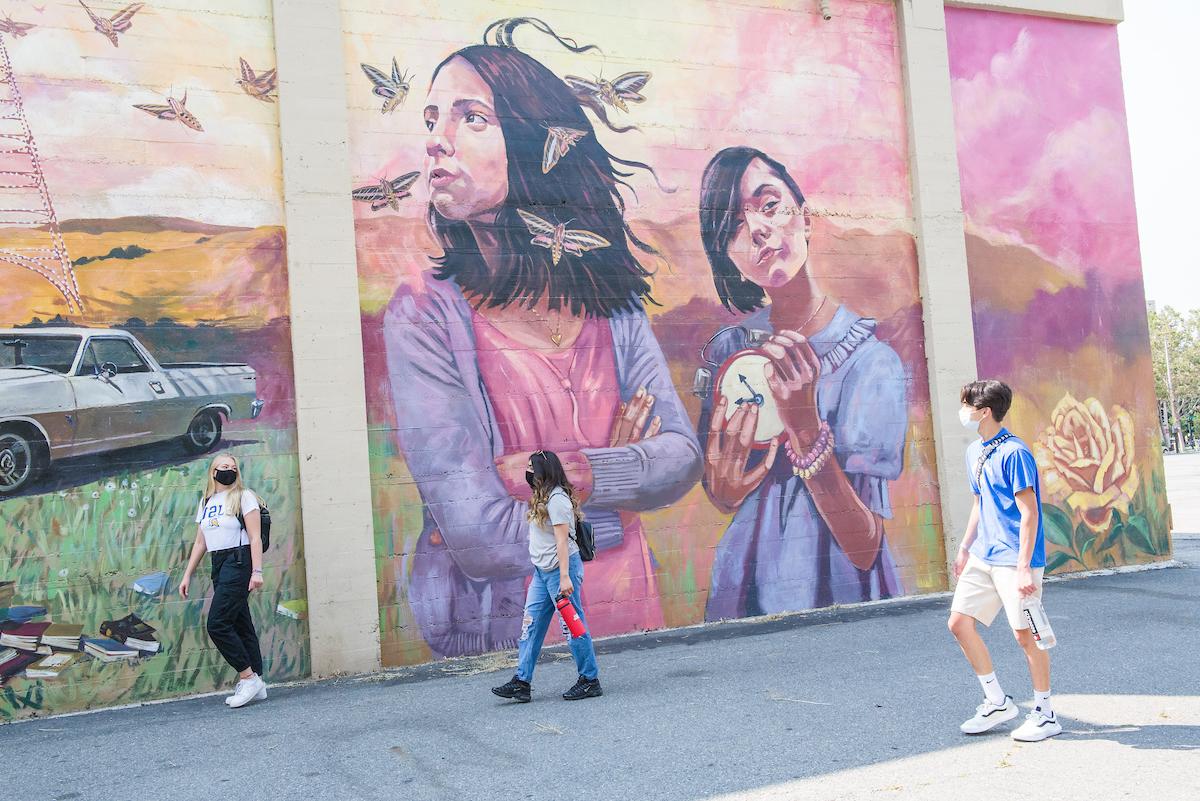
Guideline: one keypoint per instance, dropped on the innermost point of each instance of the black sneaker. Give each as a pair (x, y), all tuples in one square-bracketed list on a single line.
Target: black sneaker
[(515, 689), (584, 688)]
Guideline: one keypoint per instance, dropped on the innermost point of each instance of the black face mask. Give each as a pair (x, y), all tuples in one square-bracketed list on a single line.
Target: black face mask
[(225, 477), (529, 478)]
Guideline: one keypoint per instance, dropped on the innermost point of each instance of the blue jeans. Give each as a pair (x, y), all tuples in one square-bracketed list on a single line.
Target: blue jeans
[(540, 611)]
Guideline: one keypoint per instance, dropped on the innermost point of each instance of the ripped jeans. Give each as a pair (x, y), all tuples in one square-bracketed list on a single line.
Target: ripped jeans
[(540, 611)]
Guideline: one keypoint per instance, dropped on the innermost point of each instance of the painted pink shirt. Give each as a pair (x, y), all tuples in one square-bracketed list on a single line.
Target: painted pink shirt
[(565, 400)]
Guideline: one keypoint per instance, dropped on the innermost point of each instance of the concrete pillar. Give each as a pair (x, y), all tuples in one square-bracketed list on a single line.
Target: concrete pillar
[(941, 247), (335, 479)]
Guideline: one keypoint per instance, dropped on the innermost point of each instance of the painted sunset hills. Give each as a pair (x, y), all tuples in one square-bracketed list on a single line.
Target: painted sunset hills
[(154, 267)]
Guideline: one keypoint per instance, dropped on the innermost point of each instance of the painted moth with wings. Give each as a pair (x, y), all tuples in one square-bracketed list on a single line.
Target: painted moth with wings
[(558, 144), (557, 238), (260, 86), (388, 192), (16, 29), (616, 93), (118, 23), (393, 90), (174, 110)]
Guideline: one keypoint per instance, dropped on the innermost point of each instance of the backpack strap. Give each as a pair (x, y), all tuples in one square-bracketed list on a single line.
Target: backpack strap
[(242, 518), (988, 451)]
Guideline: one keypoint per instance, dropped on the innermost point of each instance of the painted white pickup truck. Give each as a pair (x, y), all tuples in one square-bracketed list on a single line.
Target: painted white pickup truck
[(76, 391)]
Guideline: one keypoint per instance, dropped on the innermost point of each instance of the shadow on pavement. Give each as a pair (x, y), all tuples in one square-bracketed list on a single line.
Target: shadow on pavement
[(1158, 737)]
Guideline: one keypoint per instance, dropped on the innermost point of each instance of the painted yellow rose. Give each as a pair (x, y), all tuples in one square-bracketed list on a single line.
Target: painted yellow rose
[(1086, 456)]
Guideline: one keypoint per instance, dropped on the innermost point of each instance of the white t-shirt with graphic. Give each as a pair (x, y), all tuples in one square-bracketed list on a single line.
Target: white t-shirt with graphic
[(220, 526)]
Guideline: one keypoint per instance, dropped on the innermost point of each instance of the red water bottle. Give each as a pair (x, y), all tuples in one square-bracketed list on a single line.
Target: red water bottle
[(570, 616)]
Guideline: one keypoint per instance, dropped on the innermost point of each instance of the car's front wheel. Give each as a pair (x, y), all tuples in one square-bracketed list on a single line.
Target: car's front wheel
[(23, 457), (203, 433)]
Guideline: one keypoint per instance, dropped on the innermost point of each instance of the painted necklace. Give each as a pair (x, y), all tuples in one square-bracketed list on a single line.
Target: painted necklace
[(813, 316), (556, 335)]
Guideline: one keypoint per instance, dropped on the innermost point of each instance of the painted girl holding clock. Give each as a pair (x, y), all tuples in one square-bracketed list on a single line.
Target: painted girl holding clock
[(805, 422), (528, 334)]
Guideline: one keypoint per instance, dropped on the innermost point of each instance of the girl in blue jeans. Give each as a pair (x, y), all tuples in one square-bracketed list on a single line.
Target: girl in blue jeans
[(557, 572)]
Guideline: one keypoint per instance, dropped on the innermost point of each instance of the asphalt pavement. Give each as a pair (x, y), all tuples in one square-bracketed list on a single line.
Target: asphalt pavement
[(859, 703)]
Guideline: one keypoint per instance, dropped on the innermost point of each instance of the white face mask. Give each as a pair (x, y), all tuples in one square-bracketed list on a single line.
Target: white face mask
[(964, 417)]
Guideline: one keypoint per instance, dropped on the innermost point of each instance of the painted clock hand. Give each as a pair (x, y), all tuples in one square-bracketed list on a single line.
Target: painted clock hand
[(755, 397)]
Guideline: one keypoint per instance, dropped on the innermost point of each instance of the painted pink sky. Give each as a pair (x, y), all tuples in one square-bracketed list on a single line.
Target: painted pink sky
[(1042, 140), (104, 158)]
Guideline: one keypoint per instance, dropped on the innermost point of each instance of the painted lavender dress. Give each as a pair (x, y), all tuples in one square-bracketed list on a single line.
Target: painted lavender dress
[(778, 554), (465, 396)]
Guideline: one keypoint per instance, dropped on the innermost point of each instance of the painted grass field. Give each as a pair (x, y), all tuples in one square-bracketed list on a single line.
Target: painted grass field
[(77, 552)]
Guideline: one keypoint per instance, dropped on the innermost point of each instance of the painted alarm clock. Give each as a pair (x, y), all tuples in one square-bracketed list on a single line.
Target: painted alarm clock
[(742, 380)]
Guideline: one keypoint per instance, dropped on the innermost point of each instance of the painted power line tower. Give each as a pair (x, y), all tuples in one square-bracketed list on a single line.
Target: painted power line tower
[(24, 199)]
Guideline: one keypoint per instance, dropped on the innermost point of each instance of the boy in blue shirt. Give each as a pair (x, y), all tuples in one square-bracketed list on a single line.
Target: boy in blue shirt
[(1001, 559)]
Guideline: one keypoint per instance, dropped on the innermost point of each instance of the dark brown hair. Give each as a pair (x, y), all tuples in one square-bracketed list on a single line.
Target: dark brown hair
[(988, 394), (720, 212), (548, 475), (582, 189)]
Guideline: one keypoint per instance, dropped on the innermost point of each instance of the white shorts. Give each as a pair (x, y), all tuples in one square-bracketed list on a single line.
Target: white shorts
[(984, 589)]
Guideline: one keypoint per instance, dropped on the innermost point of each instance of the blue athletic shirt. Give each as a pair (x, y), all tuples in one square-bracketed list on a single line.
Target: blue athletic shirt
[(1009, 469)]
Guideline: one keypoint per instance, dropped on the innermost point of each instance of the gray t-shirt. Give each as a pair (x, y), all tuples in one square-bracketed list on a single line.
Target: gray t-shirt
[(542, 550)]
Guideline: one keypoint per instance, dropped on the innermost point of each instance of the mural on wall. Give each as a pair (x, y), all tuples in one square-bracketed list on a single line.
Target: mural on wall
[(824, 389), (707, 306), (1056, 285), (143, 327)]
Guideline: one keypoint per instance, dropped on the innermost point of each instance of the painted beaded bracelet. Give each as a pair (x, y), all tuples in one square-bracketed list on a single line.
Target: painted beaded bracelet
[(823, 435), (807, 466), (812, 469)]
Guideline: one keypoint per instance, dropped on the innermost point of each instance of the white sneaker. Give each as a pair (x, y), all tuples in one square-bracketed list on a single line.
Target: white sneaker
[(251, 689), (1037, 727), (988, 716), (262, 694)]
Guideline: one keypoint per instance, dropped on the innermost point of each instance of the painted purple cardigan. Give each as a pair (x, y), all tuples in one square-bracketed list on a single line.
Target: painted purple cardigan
[(467, 583)]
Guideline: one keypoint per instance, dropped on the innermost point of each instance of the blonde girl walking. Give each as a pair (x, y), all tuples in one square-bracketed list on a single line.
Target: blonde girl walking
[(228, 528)]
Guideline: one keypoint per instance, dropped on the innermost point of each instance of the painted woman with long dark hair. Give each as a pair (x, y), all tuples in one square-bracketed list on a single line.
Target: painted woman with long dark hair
[(528, 335), (809, 506)]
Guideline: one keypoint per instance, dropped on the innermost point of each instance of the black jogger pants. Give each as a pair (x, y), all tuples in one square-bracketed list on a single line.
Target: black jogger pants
[(229, 624)]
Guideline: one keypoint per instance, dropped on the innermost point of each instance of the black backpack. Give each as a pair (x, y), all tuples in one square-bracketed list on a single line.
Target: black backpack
[(585, 538), (264, 523)]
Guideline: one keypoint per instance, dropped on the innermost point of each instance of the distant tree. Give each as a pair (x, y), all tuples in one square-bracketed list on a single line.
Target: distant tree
[(127, 252), (1175, 347)]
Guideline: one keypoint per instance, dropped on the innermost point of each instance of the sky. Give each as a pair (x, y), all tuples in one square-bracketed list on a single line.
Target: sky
[(1160, 62), (104, 158)]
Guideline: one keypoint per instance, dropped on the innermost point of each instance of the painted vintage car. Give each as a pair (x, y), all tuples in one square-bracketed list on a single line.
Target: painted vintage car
[(67, 391)]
